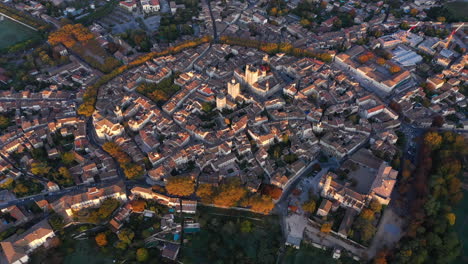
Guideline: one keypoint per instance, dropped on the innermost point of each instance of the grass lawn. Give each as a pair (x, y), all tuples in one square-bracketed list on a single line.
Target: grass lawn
[(462, 225), (86, 252), (12, 33)]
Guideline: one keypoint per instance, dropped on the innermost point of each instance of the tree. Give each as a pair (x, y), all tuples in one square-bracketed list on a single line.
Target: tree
[(138, 205), (180, 186), (4, 122), (381, 61), (246, 226), (260, 204), (414, 11), (433, 140), (7, 183), (363, 58), (395, 69), (205, 192), (56, 222), (451, 218), (367, 231), (230, 194), (126, 235), (326, 227), (40, 168), (65, 173), (309, 206), (142, 255), (441, 19), (375, 206), (68, 158), (367, 214), (101, 239)]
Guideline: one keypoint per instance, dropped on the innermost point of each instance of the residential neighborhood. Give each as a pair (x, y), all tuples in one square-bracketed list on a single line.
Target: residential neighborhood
[(185, 131)]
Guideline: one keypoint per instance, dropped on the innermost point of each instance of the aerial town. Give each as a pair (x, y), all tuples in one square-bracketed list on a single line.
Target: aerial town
[(233, 131)]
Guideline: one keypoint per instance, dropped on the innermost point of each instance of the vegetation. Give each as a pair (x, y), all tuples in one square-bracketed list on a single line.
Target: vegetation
[(230, 238), (274, 48), (97, 215), (22, 187), (180, 186), (229, 194), (159, 92), (431, 190), (101, 239), (309, 206), (130, 169), (23, 17), (89, 97)]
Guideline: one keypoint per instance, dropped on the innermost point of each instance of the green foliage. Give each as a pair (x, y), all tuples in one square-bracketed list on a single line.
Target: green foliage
[(4, 122), (126, 236), (226, 240), (159, 92), (56, 222)]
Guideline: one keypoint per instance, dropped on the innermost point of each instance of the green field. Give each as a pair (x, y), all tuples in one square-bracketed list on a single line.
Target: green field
[(12, 33), (462, 225)]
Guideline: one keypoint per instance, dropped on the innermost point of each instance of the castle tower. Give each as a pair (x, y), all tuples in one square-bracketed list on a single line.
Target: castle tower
[(233, 88), (326, 185), (251, 75), (220, 101), (118, 113)]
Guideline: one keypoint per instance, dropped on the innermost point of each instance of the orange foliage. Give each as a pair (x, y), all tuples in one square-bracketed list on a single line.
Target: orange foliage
[(70, 34), (395, 69)]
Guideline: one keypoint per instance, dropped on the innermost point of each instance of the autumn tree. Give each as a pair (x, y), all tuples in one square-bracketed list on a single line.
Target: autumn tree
[(138, 205), (395, 69), (260, 204), (326, 227), (101, 239), (363, 58), (309, 206), (180, 186), (230, 194), (433, 140), (375, 206), (367, 214), (451, 218), (381, 61), (4, 122), (40, 168), (126, 235), (142, 255), (205, 192), (67, 158)]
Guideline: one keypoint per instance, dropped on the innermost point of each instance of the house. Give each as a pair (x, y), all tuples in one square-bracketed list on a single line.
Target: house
[(129, 5), (52, 187), (150, 6), (16, 249), (383, 184), (324, 208), (93, 197)]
